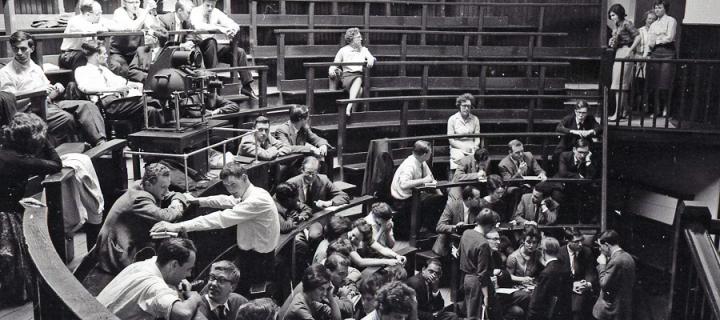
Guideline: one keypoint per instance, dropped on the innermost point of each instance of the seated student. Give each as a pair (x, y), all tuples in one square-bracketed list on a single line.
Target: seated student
[(337, 227), (258, 309), (261, 144), (316, 190), (344, 248), (457, 214), (500, 304), (63, 117), (126, 229), (578, 125), (524, 265), (89, 20), (149, 289), (463, 122), (178, 19), (537, 207), (519, 163), (577, 163), (496, 199), (351, 76), (121, 98), (427, 290), (317, 301), (475, 263), (471, 167), (291, 210), (206, 17), (553, 283), (251, 209), (214, 103), (368, 288), (414, 172), (220, 301), (380, 219), (338, 267), (394, 300), (364, 248), (129, 17), (297, 134), (579, 260)]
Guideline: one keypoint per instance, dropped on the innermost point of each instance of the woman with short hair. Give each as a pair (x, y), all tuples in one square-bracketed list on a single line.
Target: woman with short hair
[(351, 76), (463, 122)]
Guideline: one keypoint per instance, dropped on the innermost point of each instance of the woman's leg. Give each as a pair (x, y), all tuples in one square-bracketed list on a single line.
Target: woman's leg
[(355, 91), (614, 116)]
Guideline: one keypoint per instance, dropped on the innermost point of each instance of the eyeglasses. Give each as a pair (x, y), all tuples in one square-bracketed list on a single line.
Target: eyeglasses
[(219, 279), (493, 238)]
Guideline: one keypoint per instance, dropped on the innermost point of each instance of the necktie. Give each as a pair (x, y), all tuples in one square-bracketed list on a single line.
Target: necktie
[(537, 213), (573, 262), (222, 313)]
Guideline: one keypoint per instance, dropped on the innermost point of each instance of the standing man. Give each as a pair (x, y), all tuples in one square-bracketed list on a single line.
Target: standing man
[(220, 302), (579, 260), (553, 286), (427, 290), (316, 190), (149, 289), (456, 215), (616, 269), (476, 264), (251, 209), (519, 163), (22, 75), (208, 18)]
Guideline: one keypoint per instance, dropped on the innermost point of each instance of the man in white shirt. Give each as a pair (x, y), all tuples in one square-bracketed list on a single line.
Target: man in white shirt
[(22, 75), (414, 172), (251, 209), (208, 18), (121, 98), (129, 17), (148, 289), (89, 20)]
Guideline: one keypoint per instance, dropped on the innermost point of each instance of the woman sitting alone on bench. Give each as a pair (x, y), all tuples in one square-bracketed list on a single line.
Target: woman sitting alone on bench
[(351, 76)]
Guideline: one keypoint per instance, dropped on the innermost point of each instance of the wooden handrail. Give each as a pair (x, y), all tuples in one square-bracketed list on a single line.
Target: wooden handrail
[(448, 97), (396, 31), (441, 62), (483, 4)]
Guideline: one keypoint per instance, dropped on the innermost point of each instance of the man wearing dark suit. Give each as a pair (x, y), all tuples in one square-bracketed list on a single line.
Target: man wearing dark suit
[(457, 213), (472, 167), (316, 190), (616, 269), (178, 20), (551, 297), (580, 262), (297, 134), (577, 163), (537, 206), (576, 126), (519, 163), (220, 302), (427, 291)]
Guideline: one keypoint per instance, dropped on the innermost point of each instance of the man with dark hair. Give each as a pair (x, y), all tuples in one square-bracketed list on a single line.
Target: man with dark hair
[(206, 17), (551, 297), (395, 300), (337, 227), (291, 210), (148, 289), (616, 269), (476, 264), (130, 17), (414, 172), (178, 20), (537, 207), (473, 167), (127, 225), (579, 125), (297, 134), (427, 290), (338, 265), (457, 214), (317, 301), (261, 144), (251, 209), (220, 302), (519, 163), (89, 20), (380, 218), (577, 163), (578, 259), (316, 190), (63, 117)]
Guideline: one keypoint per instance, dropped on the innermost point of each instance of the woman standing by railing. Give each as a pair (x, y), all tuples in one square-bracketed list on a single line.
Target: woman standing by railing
[(624, 40), (662, 41)]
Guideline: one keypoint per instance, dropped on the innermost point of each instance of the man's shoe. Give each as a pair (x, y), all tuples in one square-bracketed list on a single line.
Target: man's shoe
[(248, 91)]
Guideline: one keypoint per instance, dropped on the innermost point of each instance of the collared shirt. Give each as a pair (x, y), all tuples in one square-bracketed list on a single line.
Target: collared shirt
[(80, 24), (16, 77), (458, 125), (254, 214), (571, 255), (125, 20), (350, 54), (409, 169), (214, 307), (466, 212), (217, 18), (372, 316), (139, 292), (380, 233), (664, 29), (92, 78), (520, 265)]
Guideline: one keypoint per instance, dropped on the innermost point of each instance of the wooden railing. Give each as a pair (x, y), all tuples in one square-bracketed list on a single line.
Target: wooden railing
[(695, 284), (692, 102)]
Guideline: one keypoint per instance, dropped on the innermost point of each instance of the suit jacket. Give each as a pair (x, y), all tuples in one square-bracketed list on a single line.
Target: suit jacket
[(567, 141), (585, 269), (553, 281), (167, 21), (321, 188), (568, 168), (467, 169), (234, 302), (427, 303), (509, 170), (286, 215), (617, 278), (271, 149), (297, 139), (526, 211), (454, 212)]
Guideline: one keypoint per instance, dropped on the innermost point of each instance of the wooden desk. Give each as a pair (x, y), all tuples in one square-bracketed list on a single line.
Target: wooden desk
[(173, 142)]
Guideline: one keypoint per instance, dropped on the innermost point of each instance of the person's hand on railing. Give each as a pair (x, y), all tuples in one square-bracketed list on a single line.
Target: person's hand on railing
[(542, 176), (323, 204), (187, 46), (322, 150), (164, 226), (370, 62), (190, 198)]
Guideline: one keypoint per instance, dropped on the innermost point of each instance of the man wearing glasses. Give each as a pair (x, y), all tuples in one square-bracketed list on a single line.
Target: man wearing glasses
[(219, 301), (316, 190)]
